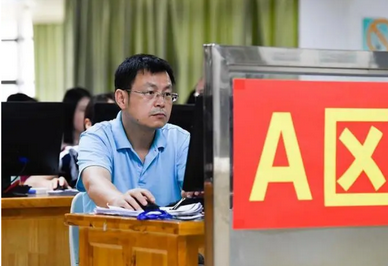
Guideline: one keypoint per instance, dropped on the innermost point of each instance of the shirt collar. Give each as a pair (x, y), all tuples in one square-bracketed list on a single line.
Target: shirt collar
[(122, 141)]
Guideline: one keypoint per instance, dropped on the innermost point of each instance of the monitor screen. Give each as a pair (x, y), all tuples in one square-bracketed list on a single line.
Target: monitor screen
[(194, 174), (31, 138), (105, 112)]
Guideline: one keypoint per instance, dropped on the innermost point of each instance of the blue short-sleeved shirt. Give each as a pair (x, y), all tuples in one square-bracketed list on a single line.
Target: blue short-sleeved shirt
[(106, 145)]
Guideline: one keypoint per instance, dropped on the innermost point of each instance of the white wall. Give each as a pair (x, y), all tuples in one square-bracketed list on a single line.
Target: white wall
[(42, 11), (336, 24), (22, 14)]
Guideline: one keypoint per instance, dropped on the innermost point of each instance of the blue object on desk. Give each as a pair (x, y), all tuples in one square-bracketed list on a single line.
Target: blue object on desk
[(153, 215), (37, 191)]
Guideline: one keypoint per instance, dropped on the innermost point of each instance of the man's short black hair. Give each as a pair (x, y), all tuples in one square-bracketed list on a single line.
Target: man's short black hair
[(126, 72)]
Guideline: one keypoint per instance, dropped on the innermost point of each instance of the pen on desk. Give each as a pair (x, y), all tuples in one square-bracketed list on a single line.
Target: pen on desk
[(176, 206)]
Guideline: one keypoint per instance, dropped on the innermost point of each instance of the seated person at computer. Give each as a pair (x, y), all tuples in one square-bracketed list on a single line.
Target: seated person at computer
[(68, 157), (136, 157), (77, 99)]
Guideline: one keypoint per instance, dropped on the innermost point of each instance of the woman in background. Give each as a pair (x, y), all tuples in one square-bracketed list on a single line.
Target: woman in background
[(68, 157), (76, 100)]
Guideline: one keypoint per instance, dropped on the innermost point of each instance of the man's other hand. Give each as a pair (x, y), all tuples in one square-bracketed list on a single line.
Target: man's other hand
[(191, 194)]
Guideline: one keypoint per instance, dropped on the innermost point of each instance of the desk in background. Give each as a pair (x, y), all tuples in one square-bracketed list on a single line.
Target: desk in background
[(110, 240), (33, 231)]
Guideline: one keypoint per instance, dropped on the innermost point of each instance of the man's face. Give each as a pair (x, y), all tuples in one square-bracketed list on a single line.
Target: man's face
[(146, 106)]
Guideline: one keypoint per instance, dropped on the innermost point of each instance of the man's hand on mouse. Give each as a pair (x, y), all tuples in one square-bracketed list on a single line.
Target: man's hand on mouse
[(129, 199), (191, 194), (61, 182)]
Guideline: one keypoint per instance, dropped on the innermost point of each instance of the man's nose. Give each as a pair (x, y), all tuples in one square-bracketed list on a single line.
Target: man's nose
[(160, 101)]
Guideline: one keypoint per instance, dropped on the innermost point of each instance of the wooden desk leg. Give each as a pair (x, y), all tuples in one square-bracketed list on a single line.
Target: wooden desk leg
[(85, 250), (188, 250)]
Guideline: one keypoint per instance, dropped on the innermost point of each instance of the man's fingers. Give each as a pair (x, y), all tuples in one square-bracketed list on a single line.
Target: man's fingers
[(189, 194), (54, 183), (133, 202), (139, 197), (61, 181), (148, 194), (125, 205)]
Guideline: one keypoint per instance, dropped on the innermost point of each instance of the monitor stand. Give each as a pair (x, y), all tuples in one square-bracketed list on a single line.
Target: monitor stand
[(14, 190), (14, 195)]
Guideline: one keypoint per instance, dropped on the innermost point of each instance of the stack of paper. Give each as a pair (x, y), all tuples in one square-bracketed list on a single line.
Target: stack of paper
[(64, 192), (187, 212)]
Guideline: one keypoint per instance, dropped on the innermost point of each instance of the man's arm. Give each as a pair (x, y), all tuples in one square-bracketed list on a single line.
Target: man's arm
[(95, 167), (98, 184), (95, 176)]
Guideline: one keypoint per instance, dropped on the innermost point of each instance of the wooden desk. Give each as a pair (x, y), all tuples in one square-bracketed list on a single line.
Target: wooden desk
[(33, 231), (109, 240)]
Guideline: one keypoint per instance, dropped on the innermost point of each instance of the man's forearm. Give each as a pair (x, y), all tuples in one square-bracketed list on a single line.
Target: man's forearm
[(102, 191)]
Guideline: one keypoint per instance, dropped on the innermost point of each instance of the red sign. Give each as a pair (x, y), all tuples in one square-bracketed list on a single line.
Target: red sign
[(309, 154)]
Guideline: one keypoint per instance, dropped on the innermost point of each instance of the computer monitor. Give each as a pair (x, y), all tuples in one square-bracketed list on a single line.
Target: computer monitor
[(31, 139), (181, 114), (105, 112), (194, 173)]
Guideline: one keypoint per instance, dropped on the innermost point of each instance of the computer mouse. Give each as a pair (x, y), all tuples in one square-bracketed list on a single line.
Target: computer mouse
[(150, 206), (59, 187)]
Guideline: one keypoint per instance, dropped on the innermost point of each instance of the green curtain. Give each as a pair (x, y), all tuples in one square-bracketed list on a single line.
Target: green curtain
[(100, 34), (49, 61)]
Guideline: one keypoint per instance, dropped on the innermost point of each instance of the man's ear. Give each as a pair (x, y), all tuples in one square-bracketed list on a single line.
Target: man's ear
[(122, 98), (87, 123)]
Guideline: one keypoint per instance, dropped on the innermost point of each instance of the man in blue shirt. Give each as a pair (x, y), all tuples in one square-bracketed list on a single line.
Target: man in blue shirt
[(136, 157)]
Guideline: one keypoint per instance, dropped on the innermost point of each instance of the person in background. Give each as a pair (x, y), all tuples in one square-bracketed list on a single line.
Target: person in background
[(89, 111), (197, 91), (138, 157), (20, 97), (68, 157), (76, 100)]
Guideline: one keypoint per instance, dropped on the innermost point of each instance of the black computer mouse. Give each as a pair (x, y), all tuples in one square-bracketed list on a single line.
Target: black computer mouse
[(150, 206), (59, 187)]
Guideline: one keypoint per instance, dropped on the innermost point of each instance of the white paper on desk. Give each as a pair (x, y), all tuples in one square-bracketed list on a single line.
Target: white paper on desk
[(69, 191), (112, 210), (185, 210), (190, 217), (188, 212)]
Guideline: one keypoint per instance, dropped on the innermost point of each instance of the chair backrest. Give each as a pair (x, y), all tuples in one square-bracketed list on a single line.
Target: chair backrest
[(76, 207)]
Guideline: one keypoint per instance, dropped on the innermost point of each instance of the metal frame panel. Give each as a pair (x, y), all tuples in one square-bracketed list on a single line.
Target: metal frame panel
[(222, 63)]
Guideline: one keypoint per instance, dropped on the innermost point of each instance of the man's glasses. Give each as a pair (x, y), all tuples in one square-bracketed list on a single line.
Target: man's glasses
[(152, 95)]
